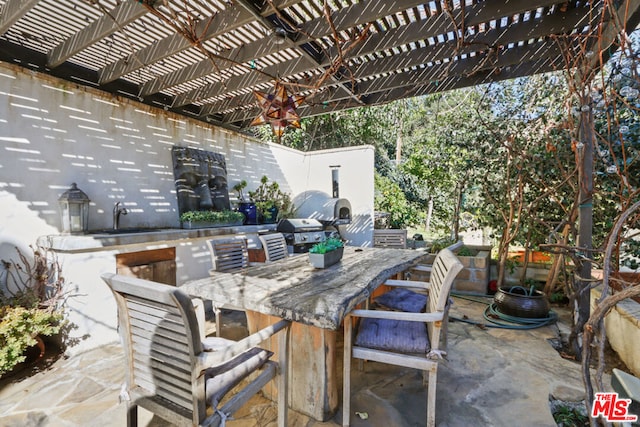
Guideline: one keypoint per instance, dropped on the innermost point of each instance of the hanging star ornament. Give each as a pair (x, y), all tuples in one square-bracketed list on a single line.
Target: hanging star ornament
[(278, 109)]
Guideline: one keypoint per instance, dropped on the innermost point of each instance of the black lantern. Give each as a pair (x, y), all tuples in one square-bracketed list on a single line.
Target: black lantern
[(74, 206)]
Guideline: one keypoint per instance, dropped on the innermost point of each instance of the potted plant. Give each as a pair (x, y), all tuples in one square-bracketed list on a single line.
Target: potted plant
[(271, 202), (32, 300), (326, 253), (205, 219), (247, 207)]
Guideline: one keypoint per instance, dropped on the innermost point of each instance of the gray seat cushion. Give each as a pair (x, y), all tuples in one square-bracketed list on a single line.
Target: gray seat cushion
[(393, 335), (402, 299)]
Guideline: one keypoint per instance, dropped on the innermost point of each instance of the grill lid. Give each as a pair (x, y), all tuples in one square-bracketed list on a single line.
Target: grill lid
[(299, 225)]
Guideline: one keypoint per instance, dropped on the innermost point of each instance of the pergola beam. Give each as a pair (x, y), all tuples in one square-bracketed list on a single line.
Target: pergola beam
[(319, 27), (450, 83), (431, 53), (412, 32), (463, 71), (14, 10), (112, 21), (206, 29)]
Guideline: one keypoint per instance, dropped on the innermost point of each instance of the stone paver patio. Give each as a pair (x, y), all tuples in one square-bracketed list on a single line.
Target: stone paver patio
[(493, 377)]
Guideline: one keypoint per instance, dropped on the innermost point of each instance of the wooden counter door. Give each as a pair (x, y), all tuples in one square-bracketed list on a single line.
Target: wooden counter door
[(158, 265)]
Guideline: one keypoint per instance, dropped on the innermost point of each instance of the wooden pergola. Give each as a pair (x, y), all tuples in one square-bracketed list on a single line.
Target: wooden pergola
[(205, 58)]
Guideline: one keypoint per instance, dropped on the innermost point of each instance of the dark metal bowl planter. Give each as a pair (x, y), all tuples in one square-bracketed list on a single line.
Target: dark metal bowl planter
[(519, 302)]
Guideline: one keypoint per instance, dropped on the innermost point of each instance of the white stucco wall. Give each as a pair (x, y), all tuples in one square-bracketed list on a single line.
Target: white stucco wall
[(312, 172), (54, 133)]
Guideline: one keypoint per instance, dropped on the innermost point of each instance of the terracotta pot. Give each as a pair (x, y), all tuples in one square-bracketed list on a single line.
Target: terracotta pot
[(516, 301)]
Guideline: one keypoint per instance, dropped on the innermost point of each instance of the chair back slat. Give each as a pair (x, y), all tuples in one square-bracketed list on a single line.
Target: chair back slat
[(275, 246), (228, 254)]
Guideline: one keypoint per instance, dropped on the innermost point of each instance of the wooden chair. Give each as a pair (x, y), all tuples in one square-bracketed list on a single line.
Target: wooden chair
[(175, 373), (390, 238), (402, 338), (274, 245), (227, 255)]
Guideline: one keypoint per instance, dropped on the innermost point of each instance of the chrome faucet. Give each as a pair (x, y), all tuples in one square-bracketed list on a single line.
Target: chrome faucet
[(117, 211)]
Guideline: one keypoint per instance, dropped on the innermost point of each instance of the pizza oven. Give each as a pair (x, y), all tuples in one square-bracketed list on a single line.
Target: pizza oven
[(329, 210)]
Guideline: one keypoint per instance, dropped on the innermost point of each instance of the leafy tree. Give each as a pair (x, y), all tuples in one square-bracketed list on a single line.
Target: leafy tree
[(390, 198)]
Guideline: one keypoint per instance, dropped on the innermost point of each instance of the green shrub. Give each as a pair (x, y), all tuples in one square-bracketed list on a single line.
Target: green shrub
[(465, 251), (269, 195), (19, 328), (567, 415), (32, 304), (331, 244), (212, 216), (439, 244)]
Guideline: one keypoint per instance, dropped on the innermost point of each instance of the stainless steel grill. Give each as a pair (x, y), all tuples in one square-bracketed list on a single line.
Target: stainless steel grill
[(301, 233)]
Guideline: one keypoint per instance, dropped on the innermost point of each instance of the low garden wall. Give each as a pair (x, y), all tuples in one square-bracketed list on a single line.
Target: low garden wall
[(623, 330)]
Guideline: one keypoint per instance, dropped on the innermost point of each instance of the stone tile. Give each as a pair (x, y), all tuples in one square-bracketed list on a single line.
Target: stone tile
[(84, 390), (29, 419), (46, 394), (90, 414)]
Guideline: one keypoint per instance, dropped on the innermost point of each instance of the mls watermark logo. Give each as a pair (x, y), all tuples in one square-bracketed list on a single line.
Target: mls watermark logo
[(611, 408)]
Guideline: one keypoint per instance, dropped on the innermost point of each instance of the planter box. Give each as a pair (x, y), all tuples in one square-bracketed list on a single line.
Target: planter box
[(534, 256), (474, 277), (204, 224), (326, 260)]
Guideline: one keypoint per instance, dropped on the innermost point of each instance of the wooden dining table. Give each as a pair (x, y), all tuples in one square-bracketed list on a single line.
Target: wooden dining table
[(316, 300)]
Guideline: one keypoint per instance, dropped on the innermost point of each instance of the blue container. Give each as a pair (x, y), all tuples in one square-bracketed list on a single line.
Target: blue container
[(270, 215), (250, 213)]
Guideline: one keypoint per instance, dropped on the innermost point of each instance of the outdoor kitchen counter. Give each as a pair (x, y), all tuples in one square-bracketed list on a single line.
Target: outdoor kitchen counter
[(316, 300), (102, 240)]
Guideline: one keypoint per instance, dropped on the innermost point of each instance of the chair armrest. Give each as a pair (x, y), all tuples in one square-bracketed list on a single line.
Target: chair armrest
[(407, 284), (399, 315), (208, 359), (422, 267)]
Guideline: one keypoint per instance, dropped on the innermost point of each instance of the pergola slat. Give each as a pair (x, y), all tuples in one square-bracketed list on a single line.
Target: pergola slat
[(121, 15), (411, 91), (230, 19), (14, 10), (377, 42), (344, 19), (460, 70), (534, 29)]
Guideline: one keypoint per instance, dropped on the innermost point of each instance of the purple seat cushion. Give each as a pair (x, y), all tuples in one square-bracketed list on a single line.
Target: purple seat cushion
[(393, 335), (402, 299)]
